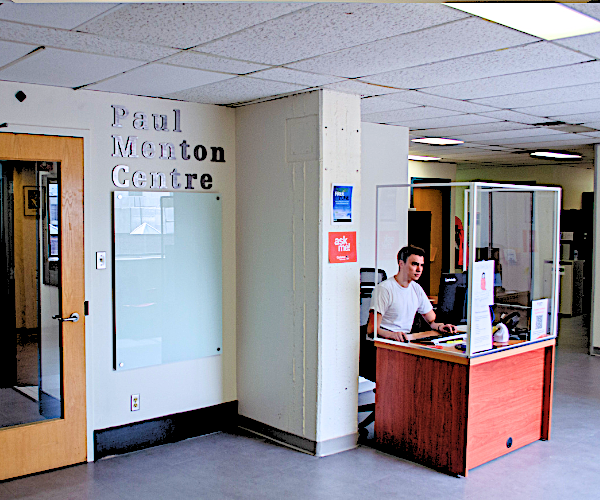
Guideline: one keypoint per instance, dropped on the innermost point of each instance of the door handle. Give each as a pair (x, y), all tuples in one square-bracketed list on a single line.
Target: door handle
[(73, 318)]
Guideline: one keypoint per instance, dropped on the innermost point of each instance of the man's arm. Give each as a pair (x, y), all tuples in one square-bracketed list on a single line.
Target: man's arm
[(382, 332), (439, 327)]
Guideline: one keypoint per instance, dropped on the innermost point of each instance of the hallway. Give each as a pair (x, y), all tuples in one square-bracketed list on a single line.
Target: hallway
[(239, 466)]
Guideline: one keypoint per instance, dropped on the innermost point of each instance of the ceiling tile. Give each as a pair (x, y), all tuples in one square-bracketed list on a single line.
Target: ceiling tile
[(456, 39), (473, 153), (556, 144), (593, 124), (158, 79), (588, 44), (550, 138), (234, 90), (487, 147), (513, 116), (10, 51), (488, 137), (570, 108), (293, 76), (475, 129), (387, 102), (450, 121), (184, 25), (575, 74), (327, 27), (589, 9), (591, 134), (404, 116), (551, 96), (529, 57), (416, 97), (578, 117), (193, 59), (61, 15), (63, 68), (81, 42), (360, 88)]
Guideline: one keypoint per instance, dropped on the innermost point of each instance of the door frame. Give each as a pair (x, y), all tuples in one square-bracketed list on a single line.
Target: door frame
[(25, 449)]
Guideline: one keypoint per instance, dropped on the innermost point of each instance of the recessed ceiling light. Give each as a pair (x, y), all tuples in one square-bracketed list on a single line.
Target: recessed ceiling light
[(423, 158), (438, 141), (549, 21), (550, 154)]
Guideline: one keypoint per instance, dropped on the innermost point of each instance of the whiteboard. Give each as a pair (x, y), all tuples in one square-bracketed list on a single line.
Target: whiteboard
[(167, 264)]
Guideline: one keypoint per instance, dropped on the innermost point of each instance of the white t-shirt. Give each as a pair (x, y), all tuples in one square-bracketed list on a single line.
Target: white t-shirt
[(398, 305)]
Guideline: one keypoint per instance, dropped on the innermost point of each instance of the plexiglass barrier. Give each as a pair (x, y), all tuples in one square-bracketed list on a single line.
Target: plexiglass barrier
[(490, 254)]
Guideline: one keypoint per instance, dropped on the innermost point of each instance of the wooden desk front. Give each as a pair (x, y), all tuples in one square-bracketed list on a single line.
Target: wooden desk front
[(454, 413)]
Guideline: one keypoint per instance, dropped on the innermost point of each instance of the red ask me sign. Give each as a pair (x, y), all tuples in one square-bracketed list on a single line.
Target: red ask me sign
[(342, 247)]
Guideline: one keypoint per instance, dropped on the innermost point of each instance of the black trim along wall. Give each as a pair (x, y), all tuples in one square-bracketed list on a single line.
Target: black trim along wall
[(162, 430)]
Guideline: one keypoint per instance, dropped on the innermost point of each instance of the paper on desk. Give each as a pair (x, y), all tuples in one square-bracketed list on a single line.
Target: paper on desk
[(539, 315), (482, 297), (481, 329)]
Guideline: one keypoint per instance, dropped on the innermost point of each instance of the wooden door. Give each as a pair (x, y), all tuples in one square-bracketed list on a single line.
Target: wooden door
[(430, 200), (61, 440)]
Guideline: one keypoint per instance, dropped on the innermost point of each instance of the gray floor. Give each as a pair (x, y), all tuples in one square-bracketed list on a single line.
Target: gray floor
[(15, 408), (223, 466)]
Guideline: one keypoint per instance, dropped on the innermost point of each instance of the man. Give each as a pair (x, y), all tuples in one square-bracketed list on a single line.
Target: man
[(398, 299)]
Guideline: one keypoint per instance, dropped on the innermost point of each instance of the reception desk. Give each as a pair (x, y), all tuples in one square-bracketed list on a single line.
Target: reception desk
[(453, 413)]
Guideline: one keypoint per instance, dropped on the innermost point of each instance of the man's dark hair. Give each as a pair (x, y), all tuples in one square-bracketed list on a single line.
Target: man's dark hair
[(405, 252)]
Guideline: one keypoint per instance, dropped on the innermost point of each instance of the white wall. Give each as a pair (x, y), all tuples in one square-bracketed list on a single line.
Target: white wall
[(384, 160), (297, 314), (573, 180), (339, 283), (163, 389), (431, 170)]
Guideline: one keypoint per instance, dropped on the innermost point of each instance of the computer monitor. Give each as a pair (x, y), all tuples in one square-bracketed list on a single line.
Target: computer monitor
[(452, 298)]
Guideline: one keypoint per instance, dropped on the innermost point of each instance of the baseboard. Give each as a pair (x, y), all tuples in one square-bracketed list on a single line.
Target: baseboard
[(162, 430), (299, 443), (337, 445)]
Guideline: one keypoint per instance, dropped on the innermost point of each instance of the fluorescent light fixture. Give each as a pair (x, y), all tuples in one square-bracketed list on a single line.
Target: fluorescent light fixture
[(423, 158), (549, 21), (438, 141), (550, 154)]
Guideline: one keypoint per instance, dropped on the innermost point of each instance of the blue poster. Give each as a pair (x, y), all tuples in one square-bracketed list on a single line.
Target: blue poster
[(341, 210)]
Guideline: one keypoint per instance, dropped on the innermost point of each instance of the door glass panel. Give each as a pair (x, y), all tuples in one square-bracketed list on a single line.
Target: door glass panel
[(30, 353)]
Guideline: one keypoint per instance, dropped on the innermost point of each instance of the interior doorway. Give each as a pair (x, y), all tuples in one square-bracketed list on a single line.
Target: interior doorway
[(42, 379), (436, 201)]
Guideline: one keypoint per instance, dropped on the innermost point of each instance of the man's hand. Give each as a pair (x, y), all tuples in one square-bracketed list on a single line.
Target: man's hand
[(448, 328), (397, 336)]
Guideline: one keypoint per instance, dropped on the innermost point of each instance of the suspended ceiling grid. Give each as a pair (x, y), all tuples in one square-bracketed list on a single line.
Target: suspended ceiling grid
[(439, 71)]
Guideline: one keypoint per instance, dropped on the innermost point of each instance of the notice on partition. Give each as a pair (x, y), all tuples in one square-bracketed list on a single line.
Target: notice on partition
[(482, 297), (539, 317), (342, 247), (341, 204)]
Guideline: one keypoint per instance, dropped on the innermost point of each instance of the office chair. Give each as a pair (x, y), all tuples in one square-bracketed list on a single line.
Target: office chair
[(368, 353)]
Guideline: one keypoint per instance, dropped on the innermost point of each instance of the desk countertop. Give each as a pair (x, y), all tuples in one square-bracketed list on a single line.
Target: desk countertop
[(451, 354)]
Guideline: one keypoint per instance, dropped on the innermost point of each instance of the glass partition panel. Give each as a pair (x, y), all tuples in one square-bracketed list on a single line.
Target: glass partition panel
[(488, 264), (167, 272)]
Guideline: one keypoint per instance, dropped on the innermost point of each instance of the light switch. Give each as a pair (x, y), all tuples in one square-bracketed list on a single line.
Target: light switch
[(100, 260)]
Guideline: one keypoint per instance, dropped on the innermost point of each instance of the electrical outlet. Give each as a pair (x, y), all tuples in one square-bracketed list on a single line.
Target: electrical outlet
[(100, 260), (135, 402)]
